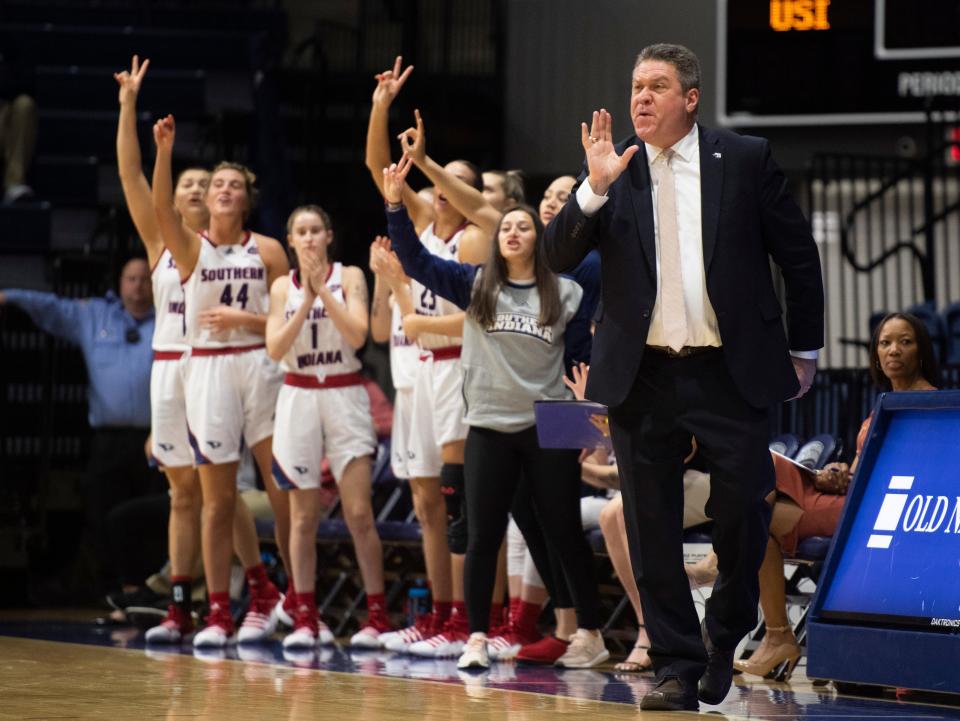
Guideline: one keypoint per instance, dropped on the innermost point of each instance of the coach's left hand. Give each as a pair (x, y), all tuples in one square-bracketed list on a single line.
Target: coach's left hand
[(806, 369)]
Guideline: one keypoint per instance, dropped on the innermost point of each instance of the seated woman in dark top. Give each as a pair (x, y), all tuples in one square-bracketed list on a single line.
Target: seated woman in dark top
[(809, 504)]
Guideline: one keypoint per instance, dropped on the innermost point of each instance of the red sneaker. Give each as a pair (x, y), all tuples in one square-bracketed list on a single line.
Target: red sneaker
[(219, 631), (176, 625), (545, 651), (506, 645), (369, 635)]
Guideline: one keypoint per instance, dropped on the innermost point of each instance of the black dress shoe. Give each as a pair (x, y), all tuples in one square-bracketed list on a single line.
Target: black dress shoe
[(718, 677), (670, 694)]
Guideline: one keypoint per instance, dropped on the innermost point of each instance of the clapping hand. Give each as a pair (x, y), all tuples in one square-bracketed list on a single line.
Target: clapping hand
[(164, 131), (389, 83), (395, 180), (130, 80), (313, 273), (385, 263), (603, 163), (413, 141)]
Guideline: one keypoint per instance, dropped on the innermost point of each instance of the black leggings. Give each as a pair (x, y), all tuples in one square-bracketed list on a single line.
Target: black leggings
[(544, 560), (492, 467)]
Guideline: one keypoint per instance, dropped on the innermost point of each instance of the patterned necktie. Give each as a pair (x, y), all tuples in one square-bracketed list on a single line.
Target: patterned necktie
[(672, 311)]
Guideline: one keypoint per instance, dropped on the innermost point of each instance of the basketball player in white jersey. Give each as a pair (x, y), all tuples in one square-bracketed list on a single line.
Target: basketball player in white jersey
[(170, 445), (317, 322), (231, 384), (391, 301), (438, 431)]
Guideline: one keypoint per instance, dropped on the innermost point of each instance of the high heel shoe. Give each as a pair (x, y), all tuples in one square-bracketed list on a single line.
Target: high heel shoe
[(773, 656)]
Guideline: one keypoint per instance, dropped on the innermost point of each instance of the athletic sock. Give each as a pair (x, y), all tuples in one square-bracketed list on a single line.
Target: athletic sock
[(528, 616), (180, 593), (441, 610), (458, 621), (259, 583)]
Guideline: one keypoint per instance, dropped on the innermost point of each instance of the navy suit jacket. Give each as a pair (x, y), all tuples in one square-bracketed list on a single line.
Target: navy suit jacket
[(748, 217)]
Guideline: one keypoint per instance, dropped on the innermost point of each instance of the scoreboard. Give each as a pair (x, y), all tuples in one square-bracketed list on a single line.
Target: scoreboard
[(815, 62)]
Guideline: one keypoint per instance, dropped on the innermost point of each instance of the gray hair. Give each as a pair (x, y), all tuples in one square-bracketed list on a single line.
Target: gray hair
[(682, 58)]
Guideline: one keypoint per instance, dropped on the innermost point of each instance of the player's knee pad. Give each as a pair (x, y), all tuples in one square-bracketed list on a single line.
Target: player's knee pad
[(451, 485)]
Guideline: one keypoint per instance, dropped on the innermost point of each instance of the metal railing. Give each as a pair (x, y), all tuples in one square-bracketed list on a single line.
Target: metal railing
[(888, 230)]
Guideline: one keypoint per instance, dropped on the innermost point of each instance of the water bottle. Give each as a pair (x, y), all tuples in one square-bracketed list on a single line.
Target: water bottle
[(418, 601)]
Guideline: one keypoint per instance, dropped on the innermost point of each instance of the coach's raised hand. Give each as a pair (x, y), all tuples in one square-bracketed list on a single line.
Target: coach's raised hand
[(603, 163)]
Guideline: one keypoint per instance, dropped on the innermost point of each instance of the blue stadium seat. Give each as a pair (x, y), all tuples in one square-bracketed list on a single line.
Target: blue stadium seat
[(813, 549), (786, 444), (818, 451), (399, 531), (699, 534)]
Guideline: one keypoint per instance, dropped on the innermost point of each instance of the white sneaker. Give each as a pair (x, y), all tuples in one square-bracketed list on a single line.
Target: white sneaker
[(259, 623), (366, 637), (304, 637), (504, 648), (475, 652), (285, 618), (448, 644), (167, 632), (324, 634), (400, 641), (213, 636), (586, 649)]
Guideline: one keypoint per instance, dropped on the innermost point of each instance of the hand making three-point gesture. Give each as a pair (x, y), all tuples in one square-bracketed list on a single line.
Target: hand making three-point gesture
[(130, 80), (389, 83), (395, 179), (413, 140)]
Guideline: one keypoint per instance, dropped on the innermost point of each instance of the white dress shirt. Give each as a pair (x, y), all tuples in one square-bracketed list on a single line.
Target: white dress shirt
[(702, 328)]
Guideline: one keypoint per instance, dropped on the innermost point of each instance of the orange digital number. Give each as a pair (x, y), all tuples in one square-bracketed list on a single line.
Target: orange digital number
[(799, 15)]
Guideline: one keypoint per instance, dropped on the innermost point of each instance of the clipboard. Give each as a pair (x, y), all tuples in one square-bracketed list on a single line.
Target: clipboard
[(572, 424), (788, 459)]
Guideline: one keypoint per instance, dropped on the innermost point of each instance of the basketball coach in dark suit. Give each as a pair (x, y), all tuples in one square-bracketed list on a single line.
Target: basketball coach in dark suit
[(691, 342)]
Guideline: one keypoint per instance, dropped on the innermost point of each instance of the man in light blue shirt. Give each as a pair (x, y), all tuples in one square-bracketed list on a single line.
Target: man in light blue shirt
[(115, 335)]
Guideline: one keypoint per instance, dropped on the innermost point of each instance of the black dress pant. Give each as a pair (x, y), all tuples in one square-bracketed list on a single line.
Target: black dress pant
[(671, 400), (493, 463)]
